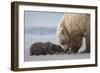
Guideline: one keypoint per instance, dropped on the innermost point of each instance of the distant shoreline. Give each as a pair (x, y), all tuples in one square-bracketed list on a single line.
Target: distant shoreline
[(40, 30)]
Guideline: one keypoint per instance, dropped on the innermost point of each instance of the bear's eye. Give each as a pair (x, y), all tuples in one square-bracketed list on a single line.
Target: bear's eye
[(62, 42)]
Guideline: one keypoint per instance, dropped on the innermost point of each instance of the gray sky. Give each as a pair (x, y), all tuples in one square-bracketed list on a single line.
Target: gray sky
[(35, 18)]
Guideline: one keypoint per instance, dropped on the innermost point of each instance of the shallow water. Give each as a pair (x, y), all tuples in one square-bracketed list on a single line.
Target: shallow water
[(57, 57)]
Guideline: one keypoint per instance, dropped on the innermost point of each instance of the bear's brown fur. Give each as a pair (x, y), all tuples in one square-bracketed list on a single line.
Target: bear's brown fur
[(71, 29)]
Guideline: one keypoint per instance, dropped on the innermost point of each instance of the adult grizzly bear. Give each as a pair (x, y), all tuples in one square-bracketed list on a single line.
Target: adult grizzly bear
[(71, 29)]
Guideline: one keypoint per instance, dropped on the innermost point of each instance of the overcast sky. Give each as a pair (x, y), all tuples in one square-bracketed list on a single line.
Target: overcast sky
[(33, 18)]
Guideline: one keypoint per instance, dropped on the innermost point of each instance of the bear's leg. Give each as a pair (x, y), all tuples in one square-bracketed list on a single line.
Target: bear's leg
[(76, 41), (88, 44), (75, 50), (77, 44)]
